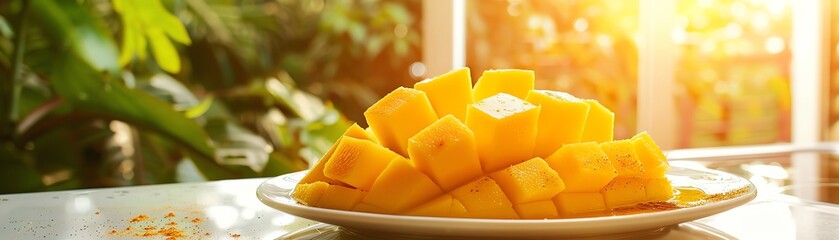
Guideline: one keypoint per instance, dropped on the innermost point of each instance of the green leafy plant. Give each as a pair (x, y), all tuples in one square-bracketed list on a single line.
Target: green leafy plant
[(221, 97)]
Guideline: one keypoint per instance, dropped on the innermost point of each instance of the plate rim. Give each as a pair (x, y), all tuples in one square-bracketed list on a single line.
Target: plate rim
[(513, 227)]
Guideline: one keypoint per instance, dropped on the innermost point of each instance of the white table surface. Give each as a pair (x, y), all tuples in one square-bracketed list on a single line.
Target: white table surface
[(230, 210), (224, 209)]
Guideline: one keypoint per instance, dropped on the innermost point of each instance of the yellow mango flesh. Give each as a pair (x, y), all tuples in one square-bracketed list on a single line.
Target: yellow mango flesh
[(486, 163), (561, 120), (622, 192), (458, 210), (340, 197), (511, 81), (568, 203), (657, 189), (650, 155), (357, 132), (505, 130), (584, 167), (364, 207), (309, 193), (442, 206), (530, 181), (449, 93), (622, 156), (400, 187), (358, 162), (481, 194), (316, 172), (438, 207), (600, 123), (446, 152), (371, 134), (545, 209), (398, 116)]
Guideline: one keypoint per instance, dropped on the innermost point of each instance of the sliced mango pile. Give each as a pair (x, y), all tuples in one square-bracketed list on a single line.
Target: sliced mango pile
[(499, 150)]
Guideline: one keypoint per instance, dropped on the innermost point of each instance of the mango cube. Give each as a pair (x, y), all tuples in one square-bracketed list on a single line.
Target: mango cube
[(316, 173), (371, 134), (600, 123), (511, 81), (358, 162), (398, 116), (622, 156), (443, 206), (621, 192), (355, 131), (568, 203), (446, 152), (484, 198), (505, 130), (584, 167), (545, 209), (657, 189), (561, 120), (530, 181), (652, 158), (309, 193), (437, 207), (458, 210), (400, 187), (449, 93), (340, 197)]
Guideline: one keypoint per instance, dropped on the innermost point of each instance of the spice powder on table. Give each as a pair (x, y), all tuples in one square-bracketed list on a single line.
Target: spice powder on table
[(143, 225)]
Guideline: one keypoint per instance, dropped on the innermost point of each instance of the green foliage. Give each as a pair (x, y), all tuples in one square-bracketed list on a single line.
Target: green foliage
[(149, 22), (15, 171), (80, 28), (233, 89), (85, 89)]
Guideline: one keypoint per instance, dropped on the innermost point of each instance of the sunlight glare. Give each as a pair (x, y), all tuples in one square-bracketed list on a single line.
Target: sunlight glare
[(680, 36), (708, 46), (417, 69), (774, 45), (706, 3), (776, 7), (733, 30), (739, 10), (82, 204), (223, 216), (760, 22), (682, 22), (581, 24)]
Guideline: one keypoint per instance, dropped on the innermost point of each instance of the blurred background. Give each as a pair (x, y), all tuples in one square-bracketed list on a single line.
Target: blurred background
[(101, 93)]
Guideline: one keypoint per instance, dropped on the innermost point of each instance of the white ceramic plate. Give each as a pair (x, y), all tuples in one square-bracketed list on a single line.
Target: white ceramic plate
[(275, 193)]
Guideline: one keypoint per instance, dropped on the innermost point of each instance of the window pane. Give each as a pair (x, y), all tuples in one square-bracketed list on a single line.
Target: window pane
[(733, 72), (833, 104), (732, 60), (586, 48)]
